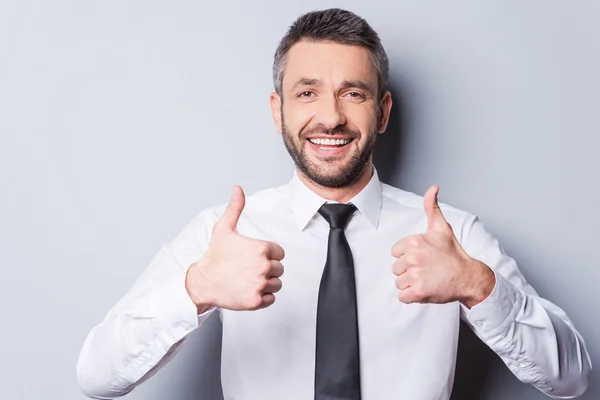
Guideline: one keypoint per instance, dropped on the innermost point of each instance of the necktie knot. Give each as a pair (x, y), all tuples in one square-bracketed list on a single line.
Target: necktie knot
[(337, 215)]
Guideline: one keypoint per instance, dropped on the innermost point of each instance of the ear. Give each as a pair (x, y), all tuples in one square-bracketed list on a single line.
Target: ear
[(385, 105), (276, 111)]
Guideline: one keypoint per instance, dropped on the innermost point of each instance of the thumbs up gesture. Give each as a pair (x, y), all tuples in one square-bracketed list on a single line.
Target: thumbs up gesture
[(433, 267), (237, 272)]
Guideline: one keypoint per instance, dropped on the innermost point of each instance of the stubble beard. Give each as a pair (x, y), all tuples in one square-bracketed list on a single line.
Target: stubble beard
[(346, 174)]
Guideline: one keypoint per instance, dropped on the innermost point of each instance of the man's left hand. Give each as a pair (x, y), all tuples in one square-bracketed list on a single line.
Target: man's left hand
[(433, 267)]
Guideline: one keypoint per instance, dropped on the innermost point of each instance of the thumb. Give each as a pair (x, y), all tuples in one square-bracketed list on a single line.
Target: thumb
[(234, 208), (435, 218)]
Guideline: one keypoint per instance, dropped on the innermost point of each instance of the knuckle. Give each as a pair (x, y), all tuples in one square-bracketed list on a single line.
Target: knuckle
[(261, 266), (265, 267), (416, 259), (263, 248), (255, 302), (261, 286), (415, 241), (418, 292), (416, 274)]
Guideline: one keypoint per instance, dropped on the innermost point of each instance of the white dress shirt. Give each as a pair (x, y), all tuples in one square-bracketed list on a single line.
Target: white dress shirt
[(406, 351)]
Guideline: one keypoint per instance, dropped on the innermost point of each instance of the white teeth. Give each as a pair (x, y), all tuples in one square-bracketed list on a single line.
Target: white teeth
[(330, 142)]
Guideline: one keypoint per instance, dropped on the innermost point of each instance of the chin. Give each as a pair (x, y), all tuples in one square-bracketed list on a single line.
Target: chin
[(331, 176), (328, 169)]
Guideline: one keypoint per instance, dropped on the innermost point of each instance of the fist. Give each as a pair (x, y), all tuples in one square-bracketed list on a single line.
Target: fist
[(433, 267), (237, 272)]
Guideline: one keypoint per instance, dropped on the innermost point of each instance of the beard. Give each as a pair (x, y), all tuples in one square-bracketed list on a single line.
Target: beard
[(344, 175)]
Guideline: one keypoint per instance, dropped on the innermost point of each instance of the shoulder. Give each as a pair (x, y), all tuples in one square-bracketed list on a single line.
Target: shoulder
[(262, 201), (396, 198), (199, 228)]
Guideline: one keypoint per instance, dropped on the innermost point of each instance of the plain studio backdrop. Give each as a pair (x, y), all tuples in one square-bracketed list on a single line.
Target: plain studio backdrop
[(120, 121)]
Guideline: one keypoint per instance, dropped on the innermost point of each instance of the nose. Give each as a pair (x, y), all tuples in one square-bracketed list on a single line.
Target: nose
[(331, 113)]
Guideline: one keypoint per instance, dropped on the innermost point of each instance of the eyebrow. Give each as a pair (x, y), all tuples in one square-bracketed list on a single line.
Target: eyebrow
[(358, 85), (346, 84), (306, 82)]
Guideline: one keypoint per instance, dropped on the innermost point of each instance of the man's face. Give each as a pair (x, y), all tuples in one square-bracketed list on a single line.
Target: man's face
[(329, 113)]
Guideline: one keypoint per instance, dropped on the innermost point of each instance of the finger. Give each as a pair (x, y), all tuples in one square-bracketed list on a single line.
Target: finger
[(276, 269), (273, 285), (400, 247), (435, 218), (400, 266), (403, 245), (275, 252), (403, 281), (267, 300), (234, 208), (407, 296)]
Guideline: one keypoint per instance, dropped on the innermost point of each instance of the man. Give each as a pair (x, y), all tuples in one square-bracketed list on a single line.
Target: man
[(376, 278)]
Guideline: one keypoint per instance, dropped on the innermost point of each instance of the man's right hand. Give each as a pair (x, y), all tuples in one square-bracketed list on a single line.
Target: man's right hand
[(237, 272)]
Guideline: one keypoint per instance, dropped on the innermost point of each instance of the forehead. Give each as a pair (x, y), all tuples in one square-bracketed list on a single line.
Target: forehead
[(330, 62)]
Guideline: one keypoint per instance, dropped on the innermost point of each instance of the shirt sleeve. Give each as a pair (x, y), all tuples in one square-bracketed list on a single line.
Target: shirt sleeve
[(143, 330), (534, 337)]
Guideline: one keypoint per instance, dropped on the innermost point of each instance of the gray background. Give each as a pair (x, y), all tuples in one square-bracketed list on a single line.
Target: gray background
[(121, 120)]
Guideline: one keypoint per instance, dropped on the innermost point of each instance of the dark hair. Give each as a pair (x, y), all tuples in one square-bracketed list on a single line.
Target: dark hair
[(336, 25)]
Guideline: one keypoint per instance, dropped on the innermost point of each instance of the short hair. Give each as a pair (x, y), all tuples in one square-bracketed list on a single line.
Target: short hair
[(336, 25)]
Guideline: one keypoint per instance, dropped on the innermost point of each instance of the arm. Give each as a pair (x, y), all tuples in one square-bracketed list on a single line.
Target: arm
[(144, 329), (534, 337)]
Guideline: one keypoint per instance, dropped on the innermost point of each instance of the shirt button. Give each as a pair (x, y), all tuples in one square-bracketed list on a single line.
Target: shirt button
[(479, 324)]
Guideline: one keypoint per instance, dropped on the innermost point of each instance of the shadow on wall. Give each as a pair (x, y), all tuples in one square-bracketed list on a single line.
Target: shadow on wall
[(475, 360), (389, 152)]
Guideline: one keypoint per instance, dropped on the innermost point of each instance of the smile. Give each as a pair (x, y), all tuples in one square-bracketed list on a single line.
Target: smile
[(329, 142), (326, 148)]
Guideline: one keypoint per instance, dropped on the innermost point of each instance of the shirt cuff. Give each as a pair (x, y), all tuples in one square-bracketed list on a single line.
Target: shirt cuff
[(175, 312), (494, 315)]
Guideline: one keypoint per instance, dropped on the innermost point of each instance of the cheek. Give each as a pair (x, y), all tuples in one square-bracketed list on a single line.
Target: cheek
[(297, 117), (363, 118)]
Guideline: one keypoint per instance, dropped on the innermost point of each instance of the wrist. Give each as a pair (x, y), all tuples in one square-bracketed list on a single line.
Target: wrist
[(198, 287), (481, 285)]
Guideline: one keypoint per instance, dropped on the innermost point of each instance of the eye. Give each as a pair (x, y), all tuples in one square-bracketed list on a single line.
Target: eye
[(307, 94), (356, 95)]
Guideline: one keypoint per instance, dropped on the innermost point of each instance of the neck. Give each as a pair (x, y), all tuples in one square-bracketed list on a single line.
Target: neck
[(343, 194)]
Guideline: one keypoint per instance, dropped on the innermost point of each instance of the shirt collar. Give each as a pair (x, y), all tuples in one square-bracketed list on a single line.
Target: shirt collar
[(306, 203)]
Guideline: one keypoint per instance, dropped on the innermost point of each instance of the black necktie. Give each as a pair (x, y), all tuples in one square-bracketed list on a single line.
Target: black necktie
[(337, 373)]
